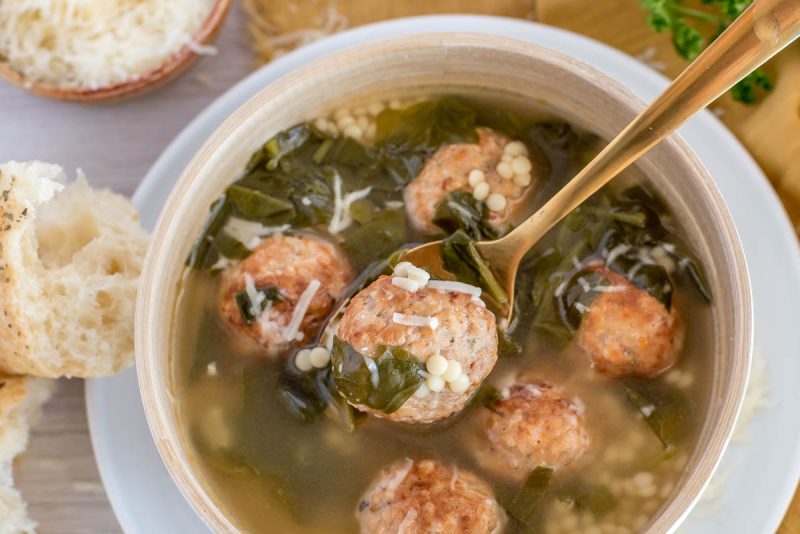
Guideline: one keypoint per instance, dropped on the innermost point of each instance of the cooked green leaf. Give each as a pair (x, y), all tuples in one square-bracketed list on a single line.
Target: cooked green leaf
[(524, 505), (302, 393), (665, 410), (578, 294), (462, 259), (459, 210), (383, 234), (246, 307), (279, 146), (203, 255), (427, 125), (599, 500), (256, 205), (383, 383)]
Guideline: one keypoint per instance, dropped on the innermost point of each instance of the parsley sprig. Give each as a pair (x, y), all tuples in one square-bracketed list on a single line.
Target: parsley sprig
[(689, 41)]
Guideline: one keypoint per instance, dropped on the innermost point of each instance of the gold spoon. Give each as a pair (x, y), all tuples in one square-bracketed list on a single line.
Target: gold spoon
[(762, 31)]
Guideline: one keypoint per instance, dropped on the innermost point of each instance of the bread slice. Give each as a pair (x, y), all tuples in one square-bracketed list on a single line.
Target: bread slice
[(21, 399), (70, 258)]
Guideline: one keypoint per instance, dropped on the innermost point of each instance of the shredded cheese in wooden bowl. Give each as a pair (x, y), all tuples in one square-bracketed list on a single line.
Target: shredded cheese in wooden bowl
[(93, 49)]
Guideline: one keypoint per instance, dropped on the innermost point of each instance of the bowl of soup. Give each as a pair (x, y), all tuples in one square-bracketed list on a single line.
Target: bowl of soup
[(298, 377)]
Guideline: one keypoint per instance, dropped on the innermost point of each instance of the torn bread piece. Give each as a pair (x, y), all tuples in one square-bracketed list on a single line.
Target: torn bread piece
[(21, 399), (70, 258)]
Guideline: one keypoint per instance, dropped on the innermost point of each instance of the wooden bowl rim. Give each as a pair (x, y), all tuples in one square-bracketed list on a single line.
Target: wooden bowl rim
[(170, 69), (154, 387)]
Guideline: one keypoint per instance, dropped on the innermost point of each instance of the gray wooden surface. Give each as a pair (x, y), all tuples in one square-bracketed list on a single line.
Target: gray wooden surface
[(114, 145)]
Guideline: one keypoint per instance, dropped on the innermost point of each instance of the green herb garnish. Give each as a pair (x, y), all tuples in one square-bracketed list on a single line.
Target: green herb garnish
[(689, 41), (383, 383)]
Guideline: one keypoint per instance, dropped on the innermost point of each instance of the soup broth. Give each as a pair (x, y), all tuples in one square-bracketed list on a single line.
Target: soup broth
[(282, 452)]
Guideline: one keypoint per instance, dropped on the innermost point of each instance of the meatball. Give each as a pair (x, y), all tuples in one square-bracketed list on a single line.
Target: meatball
[(282, 268), (424, 496), (532, 424), (466, 333), (448, 170), (628, 332)]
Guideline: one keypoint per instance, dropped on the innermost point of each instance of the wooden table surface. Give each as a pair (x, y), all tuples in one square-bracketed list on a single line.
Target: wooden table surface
[(114, 145)]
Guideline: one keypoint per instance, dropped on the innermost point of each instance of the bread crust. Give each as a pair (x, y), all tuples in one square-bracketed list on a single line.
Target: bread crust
[(14, 343)]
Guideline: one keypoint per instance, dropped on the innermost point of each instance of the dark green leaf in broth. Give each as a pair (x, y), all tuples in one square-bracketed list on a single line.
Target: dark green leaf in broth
[(362, 211), (485, 396), (524, 505), (270, 154), (664, 409), (348, 415), (301, 393), (599, 500), (256, 205), (578, 294), (378, 238), (459, 210), (697, 276), (271, 294), (462, 259), (396, 374), (229, 247), (427, 125), (655, 280), (202, 254)]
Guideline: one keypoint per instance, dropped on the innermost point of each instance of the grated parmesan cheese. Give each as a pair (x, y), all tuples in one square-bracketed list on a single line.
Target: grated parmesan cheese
[(415, 320), (455, 287), (250, 233), (94, 43), (255, 298), (341, 218), (299, 313)]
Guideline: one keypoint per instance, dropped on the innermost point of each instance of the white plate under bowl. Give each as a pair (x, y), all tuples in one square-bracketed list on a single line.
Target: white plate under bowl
[(760, 474)]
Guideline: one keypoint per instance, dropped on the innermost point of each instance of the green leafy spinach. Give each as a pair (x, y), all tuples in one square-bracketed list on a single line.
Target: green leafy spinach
[(383, 383)]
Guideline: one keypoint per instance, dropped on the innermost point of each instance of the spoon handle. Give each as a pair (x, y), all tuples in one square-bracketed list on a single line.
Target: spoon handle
[(759, 33)]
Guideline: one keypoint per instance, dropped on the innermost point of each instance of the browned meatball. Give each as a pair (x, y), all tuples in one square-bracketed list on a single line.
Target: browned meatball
[(466, 332), (532, 424), (628, 332), (424, 496), (288, 266), (448, 170)]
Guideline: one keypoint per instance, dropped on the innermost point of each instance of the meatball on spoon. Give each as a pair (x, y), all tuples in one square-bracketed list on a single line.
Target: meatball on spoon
[(764, 29)]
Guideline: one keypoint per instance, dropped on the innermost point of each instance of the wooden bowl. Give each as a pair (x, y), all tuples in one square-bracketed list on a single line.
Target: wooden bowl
[(441, 63), (172, 67)]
